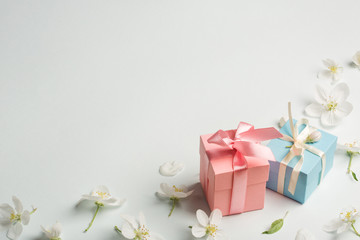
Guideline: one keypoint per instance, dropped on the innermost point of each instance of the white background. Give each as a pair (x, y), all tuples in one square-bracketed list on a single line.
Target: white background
[(104, 92)]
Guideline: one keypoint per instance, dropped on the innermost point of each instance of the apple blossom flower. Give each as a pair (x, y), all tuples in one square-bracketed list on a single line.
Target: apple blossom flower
[(208, 226), (170, 169), (352, 149), (54, 232), (101, 197), (333, 71), (346, 219), (13, 219), (173, 193), (137, 230), (356, 59), (330, 105), (304, 234)]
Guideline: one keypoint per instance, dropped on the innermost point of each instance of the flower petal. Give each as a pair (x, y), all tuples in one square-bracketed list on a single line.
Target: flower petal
[(198, 231), (18, 205), (15, 231), (215, 217), (314, 110), (114, 202), (328, 118), (344, 109), (344, 227), (162, 195), (322, 94), (340, 92), (356, 58), (329, 62), (25, 217), (189, 193), (142, 220), (170, 169), (202, 217), (220, 236), (91, 198), (6, 210), (46, 232), (5, 224), (56, 229), (167, 190), (180, 195), (333, 225), (127, 231), (304, 234), (183, 188), (131, 220)]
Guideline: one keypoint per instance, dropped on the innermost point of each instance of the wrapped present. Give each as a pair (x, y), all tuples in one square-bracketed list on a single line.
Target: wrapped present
[(234, 168), (301, 161)]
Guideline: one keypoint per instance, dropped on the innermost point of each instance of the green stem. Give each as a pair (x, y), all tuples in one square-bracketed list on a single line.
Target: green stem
[(351, 154), (117, 229), (190, 226), (34, 210), (96, 212), (173, 205), (356, 232)]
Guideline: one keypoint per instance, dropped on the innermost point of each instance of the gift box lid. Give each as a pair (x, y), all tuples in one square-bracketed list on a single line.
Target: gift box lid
[(280, 149)]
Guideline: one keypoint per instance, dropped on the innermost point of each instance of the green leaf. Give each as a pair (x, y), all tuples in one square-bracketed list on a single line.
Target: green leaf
[(276, 225), (354, 176)]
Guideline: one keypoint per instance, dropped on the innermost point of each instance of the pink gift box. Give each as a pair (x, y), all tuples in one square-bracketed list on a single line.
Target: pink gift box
[(217, 176)]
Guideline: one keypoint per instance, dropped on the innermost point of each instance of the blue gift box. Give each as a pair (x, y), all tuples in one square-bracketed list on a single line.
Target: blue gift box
[(310, 174)]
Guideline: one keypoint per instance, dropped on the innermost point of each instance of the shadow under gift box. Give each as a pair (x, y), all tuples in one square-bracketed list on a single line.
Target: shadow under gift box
[(216, 177), (309, 177)]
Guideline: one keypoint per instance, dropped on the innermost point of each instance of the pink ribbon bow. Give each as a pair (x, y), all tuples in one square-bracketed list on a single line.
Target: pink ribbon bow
[(246, 143)]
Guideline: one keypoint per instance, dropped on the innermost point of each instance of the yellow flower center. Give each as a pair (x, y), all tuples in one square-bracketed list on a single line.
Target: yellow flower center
[(103, 195), (178, 189), (331, 105), (347, 216), (15, 217), (142, 233), (211, 230), (333, 69)]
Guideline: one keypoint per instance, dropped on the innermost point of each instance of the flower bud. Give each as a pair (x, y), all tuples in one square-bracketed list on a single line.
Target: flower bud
[(313, 137)]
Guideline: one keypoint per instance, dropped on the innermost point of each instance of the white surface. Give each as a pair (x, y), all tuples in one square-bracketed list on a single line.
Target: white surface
[(104, 92)]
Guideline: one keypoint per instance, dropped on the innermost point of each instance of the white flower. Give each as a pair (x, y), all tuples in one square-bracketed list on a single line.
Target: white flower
[(137, 230), (170, 169), (304, 234), (330, 105), (352, 146), (173, 193), (101, 195), (54, 232), (333, 71), (356, 59), (208, 226), (12, 219), (346, 219)]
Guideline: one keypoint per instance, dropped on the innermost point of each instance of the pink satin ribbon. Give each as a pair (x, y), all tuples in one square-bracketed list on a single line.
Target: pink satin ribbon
[(246, 144)]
